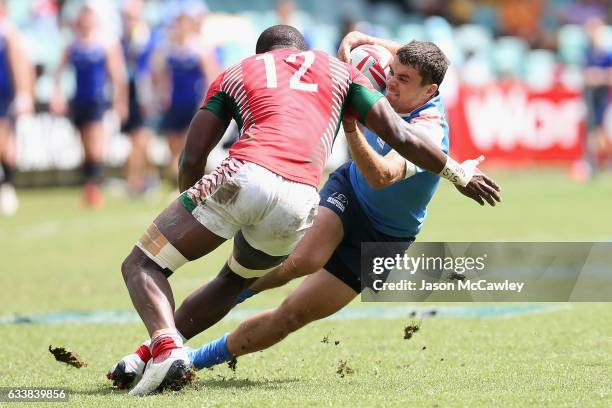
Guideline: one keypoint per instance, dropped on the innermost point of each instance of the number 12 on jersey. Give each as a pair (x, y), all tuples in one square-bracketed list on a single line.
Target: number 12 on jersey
[(295, 81)]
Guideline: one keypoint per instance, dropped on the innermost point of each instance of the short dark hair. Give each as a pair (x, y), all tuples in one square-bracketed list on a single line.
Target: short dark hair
[(426, 58), (280, 36)]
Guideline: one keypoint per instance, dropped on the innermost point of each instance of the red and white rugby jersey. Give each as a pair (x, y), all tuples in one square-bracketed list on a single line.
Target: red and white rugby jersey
[(289, 105)]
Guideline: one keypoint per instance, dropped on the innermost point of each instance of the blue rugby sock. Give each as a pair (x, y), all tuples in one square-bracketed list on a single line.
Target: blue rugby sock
[(210, 354), (244, 295)]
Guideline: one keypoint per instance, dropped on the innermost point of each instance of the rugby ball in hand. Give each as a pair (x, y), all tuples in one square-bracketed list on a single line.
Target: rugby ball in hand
[(373, 61)]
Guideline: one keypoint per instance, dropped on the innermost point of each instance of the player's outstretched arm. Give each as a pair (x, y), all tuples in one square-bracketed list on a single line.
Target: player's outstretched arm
[(383, 120), (205, 131)]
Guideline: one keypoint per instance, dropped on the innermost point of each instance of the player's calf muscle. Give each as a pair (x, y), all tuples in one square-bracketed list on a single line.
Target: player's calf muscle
[(290, 319)]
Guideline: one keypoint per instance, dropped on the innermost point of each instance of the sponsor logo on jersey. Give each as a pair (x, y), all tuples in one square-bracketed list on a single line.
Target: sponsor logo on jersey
[(339, 200)]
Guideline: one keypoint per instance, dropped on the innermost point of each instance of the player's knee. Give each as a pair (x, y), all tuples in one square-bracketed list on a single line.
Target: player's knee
[(298, 265), (127, 268)]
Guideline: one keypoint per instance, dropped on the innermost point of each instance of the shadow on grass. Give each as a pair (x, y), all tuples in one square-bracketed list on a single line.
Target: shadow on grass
[(104, 390), (241, 383), (202, 384)]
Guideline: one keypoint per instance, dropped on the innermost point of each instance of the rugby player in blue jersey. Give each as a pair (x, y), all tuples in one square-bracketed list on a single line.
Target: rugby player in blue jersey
[(16, 91), (182, 70), (383, 200), (138, 42), (96, 61), (377, 197)]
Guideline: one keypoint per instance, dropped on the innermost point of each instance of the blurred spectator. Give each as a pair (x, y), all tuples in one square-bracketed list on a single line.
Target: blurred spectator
[(348, 24), (45, 15), (16, 98), (461, 11), (522, 18), (495, 41), (597, 81), (138, 43), (94, 59), (286, 12), (581, 11), (182, 69)]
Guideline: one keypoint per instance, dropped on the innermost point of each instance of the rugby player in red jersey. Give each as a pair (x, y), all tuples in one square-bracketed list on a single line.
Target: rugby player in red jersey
[(289, 103)]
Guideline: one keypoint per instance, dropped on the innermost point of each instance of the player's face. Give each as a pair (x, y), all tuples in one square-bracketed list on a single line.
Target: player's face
[(184, 25), (405, 92), (130, 18), (86, 21)]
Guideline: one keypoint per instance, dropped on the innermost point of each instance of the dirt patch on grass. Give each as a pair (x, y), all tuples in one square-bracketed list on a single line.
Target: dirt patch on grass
[(326, 340), (232, 364), (343, 369), (65, 356), (410, 330)]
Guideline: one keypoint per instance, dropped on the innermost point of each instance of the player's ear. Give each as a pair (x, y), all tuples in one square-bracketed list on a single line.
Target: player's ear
[(431, 90)]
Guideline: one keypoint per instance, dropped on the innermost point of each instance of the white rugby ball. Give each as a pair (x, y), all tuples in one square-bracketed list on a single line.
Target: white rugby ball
[(373, 61)]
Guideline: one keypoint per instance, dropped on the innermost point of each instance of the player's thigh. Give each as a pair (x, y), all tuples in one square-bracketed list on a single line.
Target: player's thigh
[(7, 140), (140, 137), (291, 211), (6, 128), (93, 139), (317, 246), (311, 253), (318, 296), (247, 256), (183, 231)]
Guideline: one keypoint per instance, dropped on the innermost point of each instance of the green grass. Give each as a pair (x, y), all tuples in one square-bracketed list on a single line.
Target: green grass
[(58, 256)]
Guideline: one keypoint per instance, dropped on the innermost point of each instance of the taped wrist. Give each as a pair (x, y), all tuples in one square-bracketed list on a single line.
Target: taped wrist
[(455, 173)]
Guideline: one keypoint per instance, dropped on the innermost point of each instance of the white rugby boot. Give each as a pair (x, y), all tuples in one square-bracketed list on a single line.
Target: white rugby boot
[(130, 368), (169, 367)]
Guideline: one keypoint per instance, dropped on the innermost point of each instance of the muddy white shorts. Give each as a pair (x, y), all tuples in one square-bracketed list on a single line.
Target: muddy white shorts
[(272, 212)]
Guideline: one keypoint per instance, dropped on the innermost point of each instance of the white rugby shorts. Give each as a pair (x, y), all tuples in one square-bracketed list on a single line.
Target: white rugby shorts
[(272, 212)]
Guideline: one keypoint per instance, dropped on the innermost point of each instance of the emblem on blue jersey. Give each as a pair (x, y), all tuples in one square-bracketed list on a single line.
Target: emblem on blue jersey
[(339, 200)]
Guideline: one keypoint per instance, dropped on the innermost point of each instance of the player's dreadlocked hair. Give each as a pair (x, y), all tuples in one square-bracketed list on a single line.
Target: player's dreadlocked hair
[(280, 36)]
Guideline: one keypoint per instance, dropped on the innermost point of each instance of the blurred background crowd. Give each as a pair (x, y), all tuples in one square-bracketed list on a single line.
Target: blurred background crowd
[(95, 87)]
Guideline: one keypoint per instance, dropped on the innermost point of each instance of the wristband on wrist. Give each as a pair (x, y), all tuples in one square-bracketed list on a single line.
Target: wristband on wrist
[(455, 173)]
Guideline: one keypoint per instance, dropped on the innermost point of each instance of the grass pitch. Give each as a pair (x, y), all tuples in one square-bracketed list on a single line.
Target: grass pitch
[(59, 256)]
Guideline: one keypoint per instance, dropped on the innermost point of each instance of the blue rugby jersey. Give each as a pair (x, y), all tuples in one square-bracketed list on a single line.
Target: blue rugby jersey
[(6, 77), (138, 52), (188, 82), (400, 209), (89, 62)]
